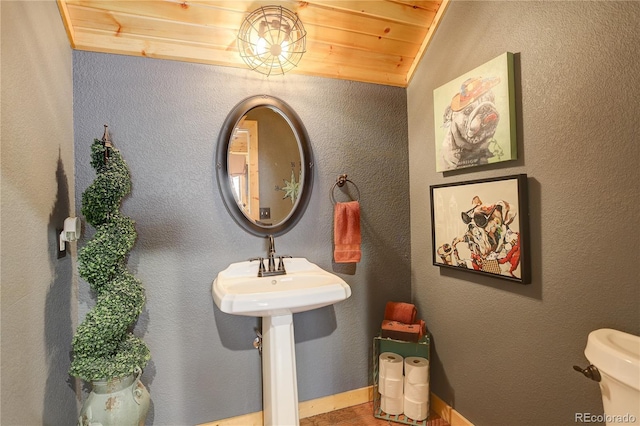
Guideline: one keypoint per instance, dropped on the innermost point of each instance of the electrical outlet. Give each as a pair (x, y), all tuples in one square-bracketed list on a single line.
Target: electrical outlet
[(265, 213)]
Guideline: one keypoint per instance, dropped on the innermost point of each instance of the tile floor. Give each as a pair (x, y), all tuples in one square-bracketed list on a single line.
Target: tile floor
[(359, 415)]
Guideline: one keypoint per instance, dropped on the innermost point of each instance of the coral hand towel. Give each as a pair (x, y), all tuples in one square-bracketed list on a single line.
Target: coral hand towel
[(400, 312), (346, 232)]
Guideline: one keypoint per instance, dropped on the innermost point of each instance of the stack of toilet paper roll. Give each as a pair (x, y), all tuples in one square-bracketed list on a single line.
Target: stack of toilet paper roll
[(416, 388), (406, 393), (390, 383)]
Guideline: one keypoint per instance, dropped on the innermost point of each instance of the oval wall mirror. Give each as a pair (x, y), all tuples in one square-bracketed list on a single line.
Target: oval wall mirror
[(264, 165)]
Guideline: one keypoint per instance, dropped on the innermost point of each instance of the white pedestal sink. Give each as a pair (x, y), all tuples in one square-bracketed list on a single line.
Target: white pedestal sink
[(239, 291)]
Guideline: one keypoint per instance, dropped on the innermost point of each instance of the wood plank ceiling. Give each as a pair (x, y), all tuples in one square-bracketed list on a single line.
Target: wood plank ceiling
[(375, 41)]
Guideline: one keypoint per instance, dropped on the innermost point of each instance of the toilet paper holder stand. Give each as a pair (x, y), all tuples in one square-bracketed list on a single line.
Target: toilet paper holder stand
[(406, 350)]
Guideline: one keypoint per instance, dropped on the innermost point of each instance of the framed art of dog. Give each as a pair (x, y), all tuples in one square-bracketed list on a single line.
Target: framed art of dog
[(475, 117), (482, 226)]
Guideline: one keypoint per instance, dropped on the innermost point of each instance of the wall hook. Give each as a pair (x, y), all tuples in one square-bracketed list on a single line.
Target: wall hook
[(106, 142)]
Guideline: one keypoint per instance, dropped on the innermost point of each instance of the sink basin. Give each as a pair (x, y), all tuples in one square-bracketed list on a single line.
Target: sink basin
[(239, 291)]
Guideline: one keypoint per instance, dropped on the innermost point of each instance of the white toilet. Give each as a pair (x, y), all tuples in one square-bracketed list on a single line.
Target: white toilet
[(616, 356)]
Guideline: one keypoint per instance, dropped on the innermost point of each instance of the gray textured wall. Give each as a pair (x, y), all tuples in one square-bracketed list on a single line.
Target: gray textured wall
[(503, 351), (165, 118), (39, 300)]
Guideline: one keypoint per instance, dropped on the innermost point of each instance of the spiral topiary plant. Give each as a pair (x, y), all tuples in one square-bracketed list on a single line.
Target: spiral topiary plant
[(104, 346)]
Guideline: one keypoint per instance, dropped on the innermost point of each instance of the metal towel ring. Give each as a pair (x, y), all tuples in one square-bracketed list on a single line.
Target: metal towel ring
[(342, 179)]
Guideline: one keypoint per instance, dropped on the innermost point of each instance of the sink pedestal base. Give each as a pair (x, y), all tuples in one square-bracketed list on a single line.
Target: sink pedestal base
[(279, 380)]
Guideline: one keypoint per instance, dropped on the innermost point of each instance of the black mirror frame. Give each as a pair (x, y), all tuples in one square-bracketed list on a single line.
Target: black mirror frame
[(222, 164)]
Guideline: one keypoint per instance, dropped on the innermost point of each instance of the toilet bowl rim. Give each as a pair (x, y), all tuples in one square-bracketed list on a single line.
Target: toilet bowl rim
[(617, 362)]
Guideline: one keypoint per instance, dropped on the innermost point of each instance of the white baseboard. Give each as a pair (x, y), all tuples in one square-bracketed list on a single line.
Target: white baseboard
[(342, 400)]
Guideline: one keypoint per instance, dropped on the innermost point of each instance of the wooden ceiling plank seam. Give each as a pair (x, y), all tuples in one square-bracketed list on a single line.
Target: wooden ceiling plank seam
[(243, 6), (237, 5), (157, 9), (427, 40), (367, 42), (313, 13), (379, 10), (177, 42), (121, 23), (314, 6), (228, 20), (362, 59), (323, 17), (365, 67), (428, 5), (321, 69), (100, 41), (328, 68), (399, 34)]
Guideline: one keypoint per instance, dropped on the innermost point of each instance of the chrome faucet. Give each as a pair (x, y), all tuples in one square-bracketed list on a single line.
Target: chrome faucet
[(271, 269)]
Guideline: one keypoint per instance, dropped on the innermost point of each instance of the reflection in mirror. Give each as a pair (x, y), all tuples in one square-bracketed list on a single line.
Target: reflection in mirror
[(264, 165), (265, 177), (243, 168)]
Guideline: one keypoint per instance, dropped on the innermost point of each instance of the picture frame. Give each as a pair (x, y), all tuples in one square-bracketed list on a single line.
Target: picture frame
[(482, 226), (475, 118)]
